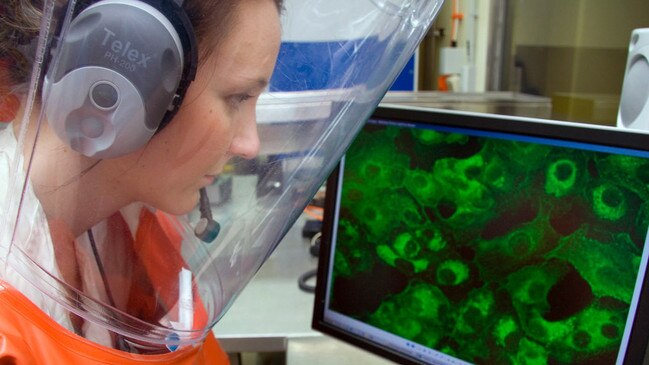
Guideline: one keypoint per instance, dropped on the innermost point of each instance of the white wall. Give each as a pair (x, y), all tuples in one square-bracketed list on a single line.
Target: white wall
[(583, 23), (483, 29)]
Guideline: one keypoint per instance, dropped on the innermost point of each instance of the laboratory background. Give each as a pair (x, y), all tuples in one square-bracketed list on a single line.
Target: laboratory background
[(557, 60), (550, 59)]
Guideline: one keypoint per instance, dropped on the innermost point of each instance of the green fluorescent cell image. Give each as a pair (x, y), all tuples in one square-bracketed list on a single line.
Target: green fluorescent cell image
[(490, 250)]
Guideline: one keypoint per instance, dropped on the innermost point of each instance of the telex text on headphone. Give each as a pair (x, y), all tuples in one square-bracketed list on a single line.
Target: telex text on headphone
[(119, 72)]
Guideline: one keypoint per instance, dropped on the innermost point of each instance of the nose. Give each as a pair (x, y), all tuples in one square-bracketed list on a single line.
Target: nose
[(246, 143)]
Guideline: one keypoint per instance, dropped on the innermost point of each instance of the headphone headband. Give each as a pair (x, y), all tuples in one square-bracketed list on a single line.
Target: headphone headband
[(173, 10)]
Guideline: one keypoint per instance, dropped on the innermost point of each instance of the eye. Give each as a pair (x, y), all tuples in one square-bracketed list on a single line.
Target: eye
[(237, 99)]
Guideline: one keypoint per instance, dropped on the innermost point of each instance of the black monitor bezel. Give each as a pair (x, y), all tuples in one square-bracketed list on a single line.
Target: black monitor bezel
[(532, 127)]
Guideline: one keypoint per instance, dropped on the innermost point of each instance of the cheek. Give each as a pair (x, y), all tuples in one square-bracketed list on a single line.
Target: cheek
[(195, 133)]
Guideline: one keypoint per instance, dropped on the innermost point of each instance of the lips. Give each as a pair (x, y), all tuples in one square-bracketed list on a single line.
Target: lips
[(209, 179)]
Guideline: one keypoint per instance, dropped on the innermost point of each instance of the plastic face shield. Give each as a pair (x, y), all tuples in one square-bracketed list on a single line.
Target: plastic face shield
[(140, 277)]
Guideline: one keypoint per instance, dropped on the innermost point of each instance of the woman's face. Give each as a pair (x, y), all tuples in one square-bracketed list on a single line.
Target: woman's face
[(216, 120)]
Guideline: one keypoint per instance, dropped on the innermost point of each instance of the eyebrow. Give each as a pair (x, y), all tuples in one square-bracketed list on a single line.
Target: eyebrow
[(250, 85), (261, 83)]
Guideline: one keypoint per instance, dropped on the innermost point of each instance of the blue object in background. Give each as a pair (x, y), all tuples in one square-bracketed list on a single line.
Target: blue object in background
[(406, 79), (303, 66)]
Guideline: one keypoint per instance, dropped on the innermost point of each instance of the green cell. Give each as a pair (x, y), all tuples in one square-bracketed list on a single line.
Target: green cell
[(609, 202), (387, 254), (531, 353), (423, 186), (561, 177), (378, 224), (545, 332), (504, 331), (594, 330), (497, 176), (512, 251), (408, 210), (431, 137), (452, 272), (608, 267), (419, 303), (382, 176), (428, 143), (351, 257), (433, 239), (389, 318), (374, 165), (475, 313), (409, 328), (629, 172), (405, 247), (529, 286), (463, 199)]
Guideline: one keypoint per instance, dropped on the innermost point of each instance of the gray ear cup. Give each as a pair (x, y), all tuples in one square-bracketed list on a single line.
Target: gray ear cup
[(114, 77), (98, 112), (634, 102)]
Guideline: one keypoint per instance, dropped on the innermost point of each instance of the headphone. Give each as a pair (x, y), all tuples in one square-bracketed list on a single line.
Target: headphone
[(122, 71)]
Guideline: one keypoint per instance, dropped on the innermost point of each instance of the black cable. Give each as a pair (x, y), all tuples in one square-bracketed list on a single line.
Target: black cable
[(314, 249), (100, 266), (314, 246), (120, 340), (302, 281)]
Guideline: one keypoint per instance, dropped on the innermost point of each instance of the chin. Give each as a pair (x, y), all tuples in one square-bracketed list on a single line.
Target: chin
[(179, 205)]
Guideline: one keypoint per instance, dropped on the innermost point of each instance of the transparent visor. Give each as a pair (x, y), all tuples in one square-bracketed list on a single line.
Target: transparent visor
[(135, 222)]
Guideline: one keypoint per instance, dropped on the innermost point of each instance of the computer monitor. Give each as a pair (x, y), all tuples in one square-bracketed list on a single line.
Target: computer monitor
[(453, 237)]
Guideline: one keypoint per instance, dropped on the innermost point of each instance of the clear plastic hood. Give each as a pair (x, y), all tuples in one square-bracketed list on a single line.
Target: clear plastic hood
[(115, 216)]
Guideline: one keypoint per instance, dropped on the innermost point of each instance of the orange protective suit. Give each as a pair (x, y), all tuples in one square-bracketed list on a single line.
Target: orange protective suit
[(28, 336)]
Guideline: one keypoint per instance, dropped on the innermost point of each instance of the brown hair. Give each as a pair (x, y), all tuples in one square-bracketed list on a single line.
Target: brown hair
[(20, 24), (214, 17)]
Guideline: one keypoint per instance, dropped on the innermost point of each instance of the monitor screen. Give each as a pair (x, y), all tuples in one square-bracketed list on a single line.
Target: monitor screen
[(453, 238)]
